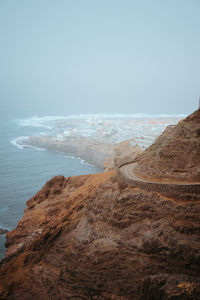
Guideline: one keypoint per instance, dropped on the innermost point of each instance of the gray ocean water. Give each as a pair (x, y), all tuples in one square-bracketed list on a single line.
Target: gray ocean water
[(23, 171)]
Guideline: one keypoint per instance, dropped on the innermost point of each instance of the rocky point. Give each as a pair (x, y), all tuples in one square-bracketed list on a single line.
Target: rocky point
[(97, 237)]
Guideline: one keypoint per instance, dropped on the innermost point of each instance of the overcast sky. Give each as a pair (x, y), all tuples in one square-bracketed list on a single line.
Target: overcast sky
[(99, 56)]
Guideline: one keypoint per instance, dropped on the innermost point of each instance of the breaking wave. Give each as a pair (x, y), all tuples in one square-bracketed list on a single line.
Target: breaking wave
[(82, 161), (16, 141)]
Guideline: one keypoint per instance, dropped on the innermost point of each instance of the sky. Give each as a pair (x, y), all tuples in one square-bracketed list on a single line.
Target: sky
[(62, 57)]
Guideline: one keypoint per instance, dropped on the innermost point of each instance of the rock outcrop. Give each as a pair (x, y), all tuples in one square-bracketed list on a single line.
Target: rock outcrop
[(94, 237), (102, 154), (3, 231), (91, 151), (122, 153), (100, 237), (175, 155)]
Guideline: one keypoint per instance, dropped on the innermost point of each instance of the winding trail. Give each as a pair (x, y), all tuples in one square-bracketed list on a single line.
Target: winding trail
[(128, 170)]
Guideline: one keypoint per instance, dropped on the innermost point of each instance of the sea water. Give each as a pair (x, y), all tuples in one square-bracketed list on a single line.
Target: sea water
[(23, 171)]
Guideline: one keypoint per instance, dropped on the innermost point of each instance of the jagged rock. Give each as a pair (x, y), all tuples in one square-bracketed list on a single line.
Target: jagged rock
[(92, 237), (98, 237), (3, 231), (122, 153), (175, 155)]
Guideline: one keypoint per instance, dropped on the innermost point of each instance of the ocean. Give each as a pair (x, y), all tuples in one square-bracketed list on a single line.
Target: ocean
[(23, 171)]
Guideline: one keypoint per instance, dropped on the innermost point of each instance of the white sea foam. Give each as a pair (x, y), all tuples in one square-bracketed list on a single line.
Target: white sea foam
[(16, 141), (5, 227), (82, 161), (71, 156), (40, 149), (34, 147), (104, 128), (2, 209)]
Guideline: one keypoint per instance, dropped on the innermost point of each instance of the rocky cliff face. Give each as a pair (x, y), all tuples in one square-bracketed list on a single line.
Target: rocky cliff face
[(100, 237), (176, 153), (91, 151), (93, 237), (122, 153), (103, 155)]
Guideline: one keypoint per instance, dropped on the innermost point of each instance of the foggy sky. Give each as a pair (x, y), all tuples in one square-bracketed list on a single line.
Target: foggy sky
[(99, 56)]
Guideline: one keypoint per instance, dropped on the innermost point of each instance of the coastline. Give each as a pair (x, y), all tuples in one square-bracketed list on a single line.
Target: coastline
[(85, 149)]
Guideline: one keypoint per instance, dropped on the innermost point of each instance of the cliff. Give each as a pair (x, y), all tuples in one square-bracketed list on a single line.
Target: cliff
[(175, 155), (102, 154), (94, 237), (90, 150), (122, 153), (106, 236)]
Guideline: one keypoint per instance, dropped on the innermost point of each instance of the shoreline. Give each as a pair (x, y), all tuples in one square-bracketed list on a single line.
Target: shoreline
[(88, 151)]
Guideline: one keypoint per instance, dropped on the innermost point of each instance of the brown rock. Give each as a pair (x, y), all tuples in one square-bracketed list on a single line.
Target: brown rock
[(92, 237), (3, 231), (176, 153), (87, 149), (122, 153)]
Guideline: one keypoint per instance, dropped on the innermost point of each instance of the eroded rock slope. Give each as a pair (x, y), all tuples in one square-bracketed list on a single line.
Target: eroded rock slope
[(176, 153), (92, 237)]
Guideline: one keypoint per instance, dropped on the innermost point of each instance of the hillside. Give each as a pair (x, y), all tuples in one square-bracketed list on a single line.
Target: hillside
[(175, 155), (102, 236), (92, 237)]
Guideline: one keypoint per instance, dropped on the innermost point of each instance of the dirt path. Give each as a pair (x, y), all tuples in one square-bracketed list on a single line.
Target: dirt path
[(128, 170)]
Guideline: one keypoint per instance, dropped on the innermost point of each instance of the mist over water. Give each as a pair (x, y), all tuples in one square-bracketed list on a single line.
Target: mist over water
[(88, 60), (80, 57)]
